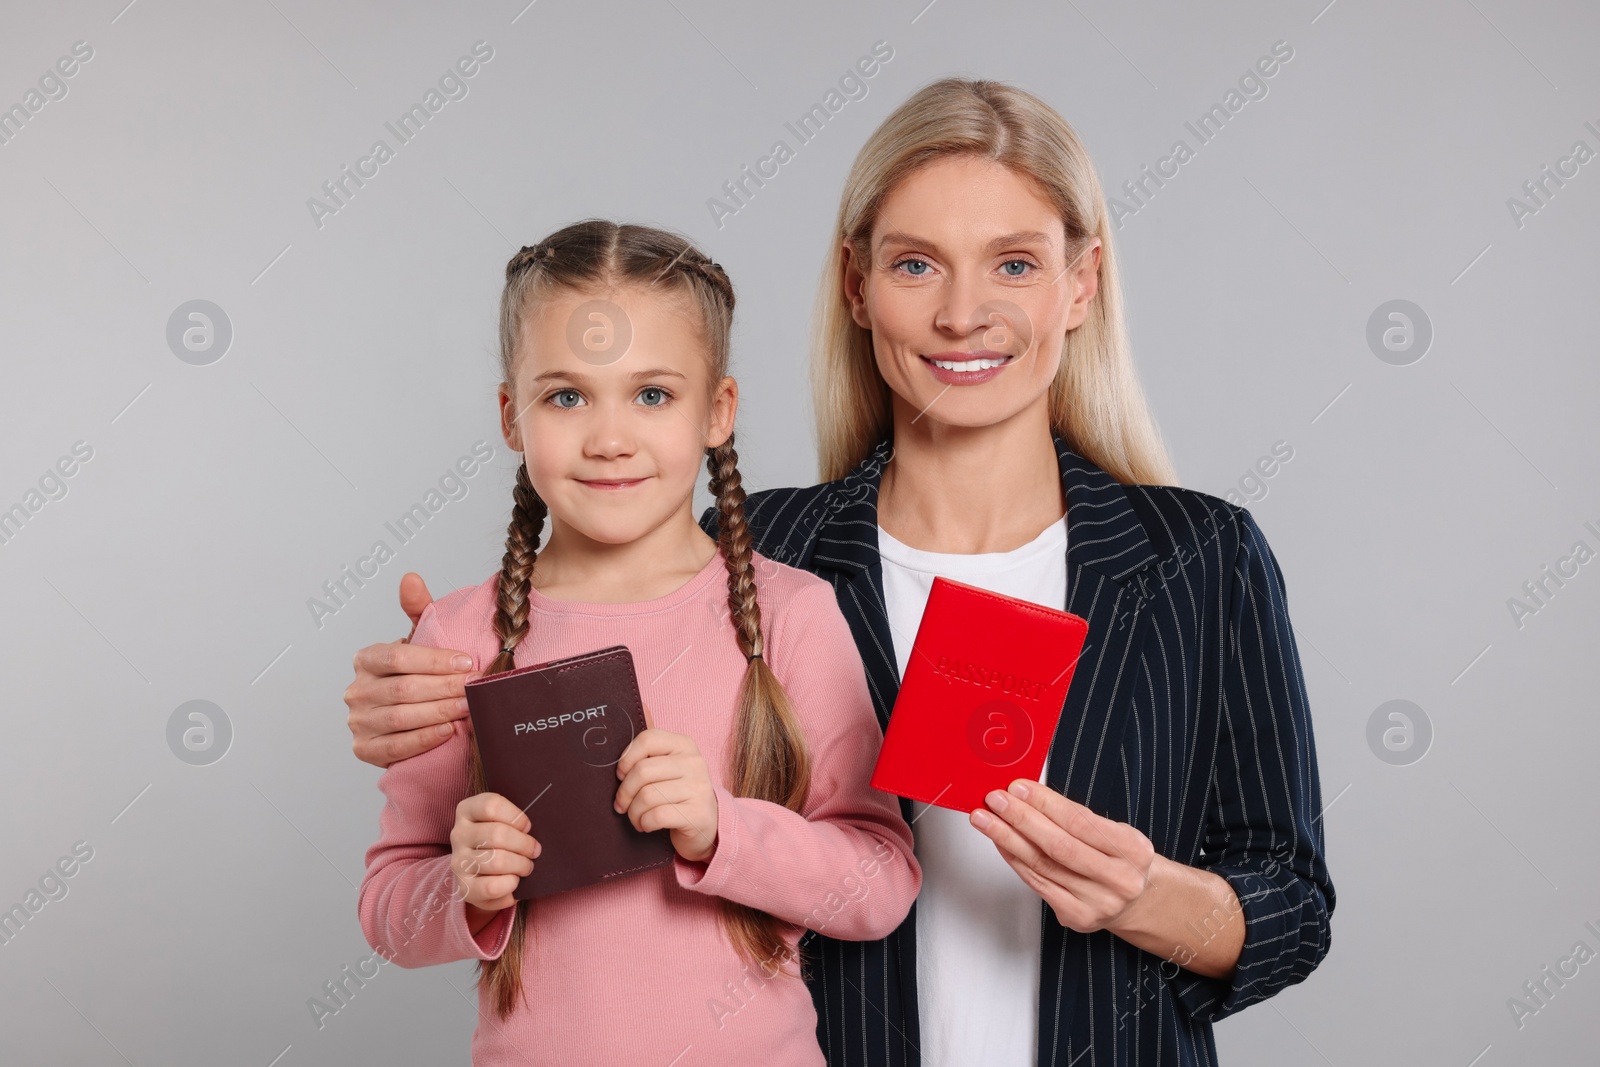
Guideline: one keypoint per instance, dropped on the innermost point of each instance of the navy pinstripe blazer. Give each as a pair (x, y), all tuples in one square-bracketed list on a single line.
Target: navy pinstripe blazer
[(1187, 718)]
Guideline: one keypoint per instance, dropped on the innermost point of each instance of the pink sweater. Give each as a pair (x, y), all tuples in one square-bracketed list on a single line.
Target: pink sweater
[(638, 970)]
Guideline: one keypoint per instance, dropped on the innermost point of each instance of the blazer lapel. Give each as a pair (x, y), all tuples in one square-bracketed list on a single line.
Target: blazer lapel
[(883, 974), (846, 551), (1106, 547)]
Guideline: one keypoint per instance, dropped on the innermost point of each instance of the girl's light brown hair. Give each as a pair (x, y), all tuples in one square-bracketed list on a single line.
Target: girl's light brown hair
[(767, 754), (1096, 402)]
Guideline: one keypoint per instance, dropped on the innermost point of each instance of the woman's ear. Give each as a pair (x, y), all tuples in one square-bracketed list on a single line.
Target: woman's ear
[(855, 287), (1085, 273)]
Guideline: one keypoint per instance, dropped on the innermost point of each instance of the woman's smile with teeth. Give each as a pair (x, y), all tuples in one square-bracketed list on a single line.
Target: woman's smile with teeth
[(968, 365)]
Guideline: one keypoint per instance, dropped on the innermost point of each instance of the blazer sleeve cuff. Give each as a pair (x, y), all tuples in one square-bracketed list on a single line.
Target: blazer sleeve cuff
[(1277, 949)]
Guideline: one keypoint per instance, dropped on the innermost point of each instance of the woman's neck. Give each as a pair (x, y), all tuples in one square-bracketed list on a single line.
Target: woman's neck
[(971, 489)]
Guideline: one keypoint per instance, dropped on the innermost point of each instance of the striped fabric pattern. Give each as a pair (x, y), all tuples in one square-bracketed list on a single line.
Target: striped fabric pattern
[(1187, 718)]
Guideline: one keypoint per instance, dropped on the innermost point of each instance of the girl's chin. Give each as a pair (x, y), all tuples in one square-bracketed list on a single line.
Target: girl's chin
[(599, 534), (611, 518)]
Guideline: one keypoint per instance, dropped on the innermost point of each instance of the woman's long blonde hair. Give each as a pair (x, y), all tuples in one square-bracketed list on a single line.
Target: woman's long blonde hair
[(1096, 402), (767, 752)]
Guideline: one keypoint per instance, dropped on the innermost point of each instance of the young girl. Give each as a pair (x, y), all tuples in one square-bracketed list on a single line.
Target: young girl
[(614, 345)]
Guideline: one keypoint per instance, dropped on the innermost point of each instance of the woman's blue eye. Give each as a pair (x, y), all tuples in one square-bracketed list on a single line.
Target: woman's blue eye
[(655, 390), (1014, 263), (556, 397), (910, 262)]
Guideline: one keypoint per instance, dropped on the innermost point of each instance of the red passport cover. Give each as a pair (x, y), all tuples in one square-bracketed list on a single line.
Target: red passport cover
[(982, 693), (550, 736)]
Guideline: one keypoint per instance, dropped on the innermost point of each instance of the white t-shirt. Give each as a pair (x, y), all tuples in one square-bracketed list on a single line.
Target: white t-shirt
[(978, 923)]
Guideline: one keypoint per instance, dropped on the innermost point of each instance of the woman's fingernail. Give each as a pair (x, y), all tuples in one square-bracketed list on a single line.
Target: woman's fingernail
[(444, 728), (462, 663), (981, 818), (998, 800), (461, 704), (1020, 789)]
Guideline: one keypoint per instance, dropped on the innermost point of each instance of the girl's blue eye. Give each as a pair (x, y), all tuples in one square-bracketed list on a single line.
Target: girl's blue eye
[(559, 393), (655, 390), (1014, 263)]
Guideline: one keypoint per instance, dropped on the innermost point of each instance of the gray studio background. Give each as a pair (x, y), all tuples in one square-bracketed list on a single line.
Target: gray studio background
[(1430, 478)]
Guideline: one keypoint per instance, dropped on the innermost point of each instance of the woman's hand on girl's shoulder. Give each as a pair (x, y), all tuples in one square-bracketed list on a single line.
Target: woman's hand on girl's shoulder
[(666, 785), (491, 851), (405, 698)]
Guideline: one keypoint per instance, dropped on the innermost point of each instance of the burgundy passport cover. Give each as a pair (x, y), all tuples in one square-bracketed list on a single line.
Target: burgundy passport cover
[(982, 693), (550, 736)]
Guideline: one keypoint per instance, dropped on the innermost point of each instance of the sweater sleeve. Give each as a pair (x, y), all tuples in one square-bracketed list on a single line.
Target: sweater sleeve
[(1264, 828), (844, 864), (410, 906)]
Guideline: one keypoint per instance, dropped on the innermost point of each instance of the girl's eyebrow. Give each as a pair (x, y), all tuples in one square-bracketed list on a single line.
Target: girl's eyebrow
[(998, 244), (575, 376)]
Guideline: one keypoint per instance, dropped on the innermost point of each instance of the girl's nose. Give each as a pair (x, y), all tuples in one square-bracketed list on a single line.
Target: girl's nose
[(610, 434)]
